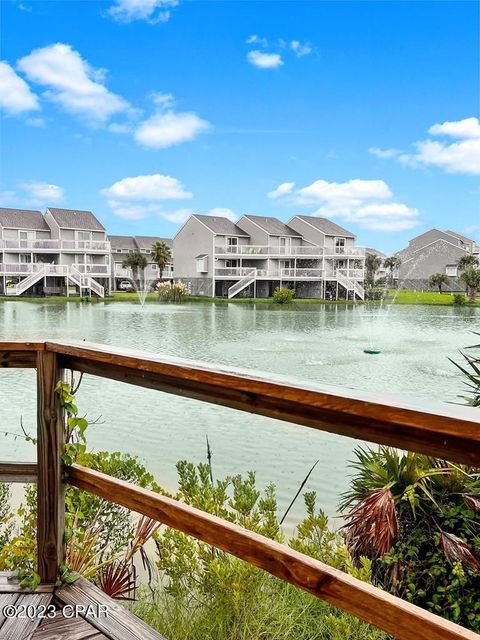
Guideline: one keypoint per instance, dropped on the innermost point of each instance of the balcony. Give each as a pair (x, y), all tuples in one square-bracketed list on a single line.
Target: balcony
[(357, 252), (443, 431), (94, 269), (263, 250), (26, 268), (56, 245)]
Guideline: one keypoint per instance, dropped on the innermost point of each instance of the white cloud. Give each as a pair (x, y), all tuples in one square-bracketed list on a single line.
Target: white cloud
[(36, 122), (282, 190), (467, 128), (460, 156), (132, 211), (177, 217), (366, 203), (300, 49), (15, 95), (167, 129), (152, 11), (33, 194), (254, 39), (384, 153), (264, 60), (72, 83), (154, 187)]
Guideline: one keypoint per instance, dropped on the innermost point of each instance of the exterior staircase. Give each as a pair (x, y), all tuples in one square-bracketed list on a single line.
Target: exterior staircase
[(241, 284), (71, 273), (350, 286)]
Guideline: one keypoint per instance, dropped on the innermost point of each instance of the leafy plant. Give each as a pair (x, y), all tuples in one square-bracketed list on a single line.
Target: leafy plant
[(416, 518), (172, 291), (6, 524), (137, 262), (459, 299), (439, 280), (283, 295), (471, 278), (161, 255)]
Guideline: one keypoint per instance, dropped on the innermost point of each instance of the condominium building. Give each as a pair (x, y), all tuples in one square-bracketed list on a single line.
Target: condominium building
[(123, 245), (434, 251), (64, 251), (216, 257)]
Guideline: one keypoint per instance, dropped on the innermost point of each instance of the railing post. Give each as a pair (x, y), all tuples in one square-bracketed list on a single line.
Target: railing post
[(51, 490)]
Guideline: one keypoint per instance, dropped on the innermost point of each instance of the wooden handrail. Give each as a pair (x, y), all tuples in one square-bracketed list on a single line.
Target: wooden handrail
[(18, 471), (377, 607), (445, 431)]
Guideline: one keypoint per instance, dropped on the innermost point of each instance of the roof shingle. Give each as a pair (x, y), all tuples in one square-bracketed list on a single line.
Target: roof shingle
[(74, 219), (326, 226), (221, 226), (22, 219), (272, 226)]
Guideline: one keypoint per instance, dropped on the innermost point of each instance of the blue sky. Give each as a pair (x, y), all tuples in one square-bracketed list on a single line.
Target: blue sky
[(145, 111)]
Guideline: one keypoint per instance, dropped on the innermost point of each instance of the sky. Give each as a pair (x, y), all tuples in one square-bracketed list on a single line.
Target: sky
[(146, 111)]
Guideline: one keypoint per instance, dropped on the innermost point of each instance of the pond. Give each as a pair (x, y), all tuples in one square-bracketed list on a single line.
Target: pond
[(316, 343)]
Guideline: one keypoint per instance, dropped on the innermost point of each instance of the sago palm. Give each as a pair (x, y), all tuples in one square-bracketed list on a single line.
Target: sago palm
[(161, 255)]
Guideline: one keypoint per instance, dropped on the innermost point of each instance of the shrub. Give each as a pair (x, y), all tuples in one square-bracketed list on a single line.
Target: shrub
[(5, 515), (206, 593), (172, 291), (417, 519), (459, 299), (283, 295)]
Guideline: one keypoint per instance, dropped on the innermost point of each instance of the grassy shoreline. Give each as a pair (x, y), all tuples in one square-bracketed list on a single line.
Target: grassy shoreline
[(402, 297)]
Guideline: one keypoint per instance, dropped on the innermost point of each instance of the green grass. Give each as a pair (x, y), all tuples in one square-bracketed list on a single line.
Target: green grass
[(402, 297), (423, 297)]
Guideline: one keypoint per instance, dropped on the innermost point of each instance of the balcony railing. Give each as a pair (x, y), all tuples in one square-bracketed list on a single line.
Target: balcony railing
[(302, 273), (56, 245), (25, 268), (345, 251), (445, 431), (263, 250)]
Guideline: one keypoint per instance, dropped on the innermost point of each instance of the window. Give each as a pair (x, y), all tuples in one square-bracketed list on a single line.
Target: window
[(339, 245), (148, 251), (285, 245), (154, 267), (286, 264), (119, 250), (451, 270), (232, 242), (231, 264), (202, 263)]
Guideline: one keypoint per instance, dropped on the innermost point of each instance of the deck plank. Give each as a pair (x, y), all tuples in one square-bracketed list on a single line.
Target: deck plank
[(5, 600), (10, 584), (61, 628), (119, 624), (23, 628)]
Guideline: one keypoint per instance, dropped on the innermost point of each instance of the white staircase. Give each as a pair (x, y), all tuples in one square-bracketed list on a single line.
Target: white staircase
[(83, 282), (241, 284), (350, 285), (28, 282)]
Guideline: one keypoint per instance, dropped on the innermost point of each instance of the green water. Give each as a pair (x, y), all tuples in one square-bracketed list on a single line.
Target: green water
[(324, 344)]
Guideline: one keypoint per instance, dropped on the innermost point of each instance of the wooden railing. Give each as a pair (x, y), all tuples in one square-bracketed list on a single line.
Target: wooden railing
[(445, 431)]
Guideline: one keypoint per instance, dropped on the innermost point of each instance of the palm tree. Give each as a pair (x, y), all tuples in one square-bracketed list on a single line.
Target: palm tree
[(471, 278), (136, 262), (468, 262), (162, 255), (372, 265), (392, 264), (438, 280)]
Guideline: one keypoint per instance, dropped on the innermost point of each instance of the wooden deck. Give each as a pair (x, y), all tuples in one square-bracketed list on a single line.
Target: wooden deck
[(78, 611)]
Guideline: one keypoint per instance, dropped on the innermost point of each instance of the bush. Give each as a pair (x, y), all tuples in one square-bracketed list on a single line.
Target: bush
[(459, 299), (417, 519), (206, 593), (283, 295), (172, 291)]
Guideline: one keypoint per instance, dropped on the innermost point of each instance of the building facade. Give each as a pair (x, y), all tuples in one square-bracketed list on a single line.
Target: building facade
[(434, 251), (63, 252), (316, 257), (122, 246)]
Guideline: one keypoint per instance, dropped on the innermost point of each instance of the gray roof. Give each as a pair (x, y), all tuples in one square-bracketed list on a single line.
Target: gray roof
[(74, 219), (460, 237), (221, 226), (375, 252), (146, 242), (326, 226), (123, 242), (22, 219), (272, 226)]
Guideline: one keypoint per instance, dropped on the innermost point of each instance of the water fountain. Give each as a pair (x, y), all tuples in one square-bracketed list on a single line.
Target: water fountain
[(141, 285)]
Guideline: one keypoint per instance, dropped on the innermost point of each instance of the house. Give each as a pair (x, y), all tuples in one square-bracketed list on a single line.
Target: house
[(217, 257), (60, 252), (434, 251), (123, 245), (381, 272)]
